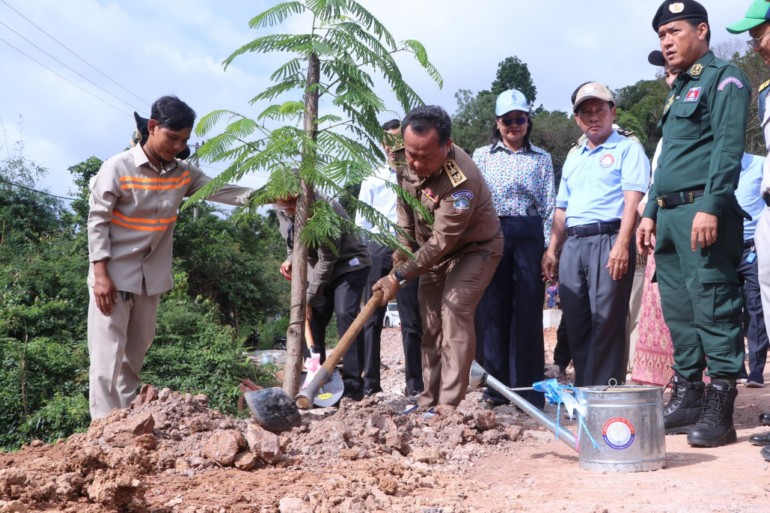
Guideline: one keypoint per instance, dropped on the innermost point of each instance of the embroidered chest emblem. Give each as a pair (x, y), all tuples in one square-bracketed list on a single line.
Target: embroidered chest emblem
[(607, 160), (693, 95)]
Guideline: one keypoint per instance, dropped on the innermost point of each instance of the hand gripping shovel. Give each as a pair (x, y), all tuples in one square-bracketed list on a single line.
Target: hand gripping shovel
[(306, 396)]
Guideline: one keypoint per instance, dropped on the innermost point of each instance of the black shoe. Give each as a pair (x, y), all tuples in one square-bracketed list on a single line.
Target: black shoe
[(685, 405), (764, 418), (369, 391), (715, 425), (765, 452), (760, 439), (494, 400), (408, 392)]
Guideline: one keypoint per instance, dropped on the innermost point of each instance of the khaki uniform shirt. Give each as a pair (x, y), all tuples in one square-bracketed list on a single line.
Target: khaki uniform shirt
[(460, 204), (132, 217), (326, 264)]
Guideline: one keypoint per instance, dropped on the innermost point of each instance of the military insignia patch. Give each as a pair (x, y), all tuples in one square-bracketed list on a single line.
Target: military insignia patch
[(453, 171), (696, 70), (465, 193), (730, 80), (462, 204), (668, 104), (607, 160), (693, 95), (676, 7), (429, 194)]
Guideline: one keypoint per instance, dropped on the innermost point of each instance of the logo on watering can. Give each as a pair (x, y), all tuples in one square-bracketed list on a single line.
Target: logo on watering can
[(618, 433)]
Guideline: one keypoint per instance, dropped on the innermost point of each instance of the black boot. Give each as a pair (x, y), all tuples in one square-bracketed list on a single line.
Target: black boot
[(715, 426), (685, 405)]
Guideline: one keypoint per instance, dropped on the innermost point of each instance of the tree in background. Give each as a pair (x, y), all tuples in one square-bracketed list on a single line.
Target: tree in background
[(512, 73), (330, 68)]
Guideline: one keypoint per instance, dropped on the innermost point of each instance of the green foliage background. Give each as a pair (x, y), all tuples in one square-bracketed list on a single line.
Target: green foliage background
[(226, 286)]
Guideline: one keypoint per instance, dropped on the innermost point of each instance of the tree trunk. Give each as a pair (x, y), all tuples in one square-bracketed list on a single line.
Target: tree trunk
[(294, 336)]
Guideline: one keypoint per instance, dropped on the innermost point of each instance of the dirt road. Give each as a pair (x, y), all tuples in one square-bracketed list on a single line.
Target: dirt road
[(170, 453)]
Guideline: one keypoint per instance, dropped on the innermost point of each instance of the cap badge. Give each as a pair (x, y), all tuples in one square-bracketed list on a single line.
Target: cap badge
[(589, 89), (676, 7), (696, 70)]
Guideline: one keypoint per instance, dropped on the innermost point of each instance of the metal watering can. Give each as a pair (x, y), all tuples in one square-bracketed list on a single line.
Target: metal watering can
[(620, 428)]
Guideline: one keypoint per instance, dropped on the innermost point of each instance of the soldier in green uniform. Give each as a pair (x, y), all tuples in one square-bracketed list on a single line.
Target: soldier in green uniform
[(698, 224)]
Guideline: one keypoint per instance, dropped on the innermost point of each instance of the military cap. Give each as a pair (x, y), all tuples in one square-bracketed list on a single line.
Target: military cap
[(757, 14), (673, 10), (656, 58)]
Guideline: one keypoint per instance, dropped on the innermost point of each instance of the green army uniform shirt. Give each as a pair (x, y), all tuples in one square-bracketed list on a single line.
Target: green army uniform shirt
[(703, 122)]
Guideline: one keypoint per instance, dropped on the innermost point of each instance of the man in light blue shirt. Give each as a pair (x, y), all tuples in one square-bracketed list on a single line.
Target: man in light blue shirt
[(750, 200), (378, 192), (592, 246)]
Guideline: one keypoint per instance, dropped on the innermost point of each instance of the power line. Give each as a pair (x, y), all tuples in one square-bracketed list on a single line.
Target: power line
[(36, 191), (75, 54), (65, 78), (71, 69)]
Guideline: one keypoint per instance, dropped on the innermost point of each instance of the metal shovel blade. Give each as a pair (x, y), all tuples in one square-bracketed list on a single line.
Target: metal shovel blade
[(330, 392), (273, 409)]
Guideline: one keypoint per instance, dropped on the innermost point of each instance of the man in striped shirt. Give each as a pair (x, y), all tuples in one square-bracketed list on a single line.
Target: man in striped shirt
[(133, 209)]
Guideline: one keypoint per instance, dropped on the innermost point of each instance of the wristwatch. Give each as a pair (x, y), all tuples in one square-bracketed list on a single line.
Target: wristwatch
[(400, 279)]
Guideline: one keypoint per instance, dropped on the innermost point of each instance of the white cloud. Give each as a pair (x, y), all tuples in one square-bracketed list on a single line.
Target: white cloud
[(153, 48)]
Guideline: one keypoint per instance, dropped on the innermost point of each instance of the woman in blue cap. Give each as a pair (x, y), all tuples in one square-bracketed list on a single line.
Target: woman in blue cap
[(509, 320)]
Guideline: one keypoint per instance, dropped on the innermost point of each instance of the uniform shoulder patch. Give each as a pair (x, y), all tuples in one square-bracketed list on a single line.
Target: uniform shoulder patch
[(763, 86), (453, 171), (730, 80)]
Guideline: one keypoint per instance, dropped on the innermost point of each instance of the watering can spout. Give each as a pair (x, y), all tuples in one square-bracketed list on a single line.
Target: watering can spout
[(478, 376)]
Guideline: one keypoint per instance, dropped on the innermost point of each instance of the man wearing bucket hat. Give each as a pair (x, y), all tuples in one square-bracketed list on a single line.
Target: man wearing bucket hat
[(591, 249), (757, 23), (698, 224)]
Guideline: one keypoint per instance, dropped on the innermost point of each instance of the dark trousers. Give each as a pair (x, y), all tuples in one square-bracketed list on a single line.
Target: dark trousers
[(370, 358), (699, 293), (411, 326), (561, 353), (509, 319), (341, 297), (411, 335), (754, 318), (594, 308)]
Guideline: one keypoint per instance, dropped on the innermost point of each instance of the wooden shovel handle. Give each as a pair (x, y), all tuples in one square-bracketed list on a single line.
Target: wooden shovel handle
[(309, 340), (305, 397)]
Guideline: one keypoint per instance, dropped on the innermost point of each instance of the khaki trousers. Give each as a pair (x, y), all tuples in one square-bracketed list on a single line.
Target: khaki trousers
[(449, 295), (117, 344)]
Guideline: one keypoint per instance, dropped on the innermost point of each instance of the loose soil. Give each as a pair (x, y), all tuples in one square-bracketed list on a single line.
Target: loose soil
[(170, 453)]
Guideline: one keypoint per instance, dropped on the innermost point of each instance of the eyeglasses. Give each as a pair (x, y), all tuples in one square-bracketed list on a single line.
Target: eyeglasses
[(756, 41), (509, 121)]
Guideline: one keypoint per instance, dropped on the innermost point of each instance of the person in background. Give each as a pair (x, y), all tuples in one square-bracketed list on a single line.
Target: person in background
[(132, 213), (591, 250), (456, 250), (757, 22), (697, 223), (377, 191), (750, 200), (336, 279), (654, 352), (509, 323)]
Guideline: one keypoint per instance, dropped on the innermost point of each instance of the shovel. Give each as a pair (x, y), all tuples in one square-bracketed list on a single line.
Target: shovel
[(274, 410), (306, 396), (330, 392)]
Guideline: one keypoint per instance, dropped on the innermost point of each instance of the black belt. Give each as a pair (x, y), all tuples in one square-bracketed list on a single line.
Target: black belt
[(748, 244), (675, 199), (586, 230)]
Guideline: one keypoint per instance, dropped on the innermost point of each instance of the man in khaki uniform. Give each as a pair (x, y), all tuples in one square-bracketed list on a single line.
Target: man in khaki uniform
[(133, 210), (457, 242)]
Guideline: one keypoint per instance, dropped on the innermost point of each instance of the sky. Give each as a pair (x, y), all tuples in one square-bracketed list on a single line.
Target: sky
[(74, 72)]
